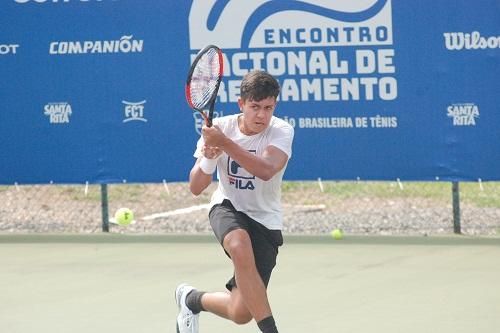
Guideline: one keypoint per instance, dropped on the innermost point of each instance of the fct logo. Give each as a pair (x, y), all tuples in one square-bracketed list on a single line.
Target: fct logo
[(134, 111), (8, 49), (58, 112)]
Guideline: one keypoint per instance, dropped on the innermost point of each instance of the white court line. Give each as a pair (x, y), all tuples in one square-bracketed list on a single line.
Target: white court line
[(176, 212), (207, 206)]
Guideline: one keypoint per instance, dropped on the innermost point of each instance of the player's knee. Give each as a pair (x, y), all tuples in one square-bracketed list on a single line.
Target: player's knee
[(241, 316), (243, 319), (238, 245)]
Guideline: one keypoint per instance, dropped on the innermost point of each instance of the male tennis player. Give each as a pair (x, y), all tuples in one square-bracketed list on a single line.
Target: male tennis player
[(250, 150)]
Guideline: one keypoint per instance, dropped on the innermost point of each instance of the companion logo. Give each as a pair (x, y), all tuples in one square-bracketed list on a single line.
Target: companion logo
[(463, 114), (238, 176), (134, 111), (199, 121), (126, 44), (8, 49), (319, 50), (470, 41), (58, 113)]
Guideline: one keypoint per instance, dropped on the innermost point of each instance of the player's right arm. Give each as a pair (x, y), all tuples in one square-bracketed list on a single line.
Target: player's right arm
[(201, 173), (198, 180)]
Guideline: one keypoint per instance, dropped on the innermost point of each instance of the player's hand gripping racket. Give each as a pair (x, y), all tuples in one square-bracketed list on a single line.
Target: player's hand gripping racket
[(203, 81)]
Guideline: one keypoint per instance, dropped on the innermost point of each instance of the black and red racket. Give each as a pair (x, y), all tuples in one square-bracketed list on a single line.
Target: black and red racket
[(203, 81)]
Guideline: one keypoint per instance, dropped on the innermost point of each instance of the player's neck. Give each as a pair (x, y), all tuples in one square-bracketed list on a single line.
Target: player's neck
[(243, 128)]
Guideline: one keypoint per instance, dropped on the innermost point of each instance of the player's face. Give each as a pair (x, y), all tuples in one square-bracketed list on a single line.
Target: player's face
[(256, 115)]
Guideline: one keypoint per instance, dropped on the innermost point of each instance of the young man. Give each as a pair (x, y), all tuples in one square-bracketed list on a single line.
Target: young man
[(250, 151)]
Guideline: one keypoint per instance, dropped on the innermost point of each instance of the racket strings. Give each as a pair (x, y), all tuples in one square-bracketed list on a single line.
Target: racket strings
[(204, 79)]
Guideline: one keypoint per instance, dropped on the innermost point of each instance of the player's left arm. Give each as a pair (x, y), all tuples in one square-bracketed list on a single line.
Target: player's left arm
[(264, 167)]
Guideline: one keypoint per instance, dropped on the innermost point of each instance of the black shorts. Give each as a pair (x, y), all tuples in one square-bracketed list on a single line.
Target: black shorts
[(224, 218)]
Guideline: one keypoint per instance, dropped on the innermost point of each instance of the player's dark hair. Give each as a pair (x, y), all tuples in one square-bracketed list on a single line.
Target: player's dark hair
[(258, 85)]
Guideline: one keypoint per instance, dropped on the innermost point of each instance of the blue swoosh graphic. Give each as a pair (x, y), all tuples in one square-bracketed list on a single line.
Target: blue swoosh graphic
[(273, 7), (215, 13), (269, 8)]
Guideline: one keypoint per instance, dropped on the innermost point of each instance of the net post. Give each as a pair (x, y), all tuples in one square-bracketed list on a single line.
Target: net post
[(104, 207), (456, 208)]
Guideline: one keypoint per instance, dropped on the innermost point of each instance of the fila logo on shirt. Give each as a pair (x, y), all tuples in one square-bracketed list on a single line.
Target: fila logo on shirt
[(238, 176), (241, 184)]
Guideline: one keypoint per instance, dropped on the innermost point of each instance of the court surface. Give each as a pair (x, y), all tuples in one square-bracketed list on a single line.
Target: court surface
[(119, 283)]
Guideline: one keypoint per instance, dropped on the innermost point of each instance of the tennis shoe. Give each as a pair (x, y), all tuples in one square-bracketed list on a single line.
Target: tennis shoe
[(187, 321)]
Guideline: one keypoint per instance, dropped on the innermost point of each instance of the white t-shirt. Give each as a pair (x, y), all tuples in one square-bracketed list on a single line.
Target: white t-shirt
[(259, 199)]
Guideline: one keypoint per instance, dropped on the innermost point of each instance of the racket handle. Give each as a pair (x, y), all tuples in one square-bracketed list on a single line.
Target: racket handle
[(211, 113)]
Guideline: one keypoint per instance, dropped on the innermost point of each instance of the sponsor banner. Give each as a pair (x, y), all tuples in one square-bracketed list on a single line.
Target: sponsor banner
[(93, 90)]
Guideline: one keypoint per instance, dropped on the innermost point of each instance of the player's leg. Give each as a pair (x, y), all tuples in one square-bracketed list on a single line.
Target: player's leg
[(233, 229), (253, 291), (235, 305), (228, 305)]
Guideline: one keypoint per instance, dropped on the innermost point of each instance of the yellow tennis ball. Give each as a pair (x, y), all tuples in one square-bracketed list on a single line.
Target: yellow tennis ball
[(124, 216), (337, 234)]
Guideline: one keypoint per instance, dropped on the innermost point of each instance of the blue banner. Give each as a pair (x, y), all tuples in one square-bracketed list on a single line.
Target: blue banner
[(93, 90)]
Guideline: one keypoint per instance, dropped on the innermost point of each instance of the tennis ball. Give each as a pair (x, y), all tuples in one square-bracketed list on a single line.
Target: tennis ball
[(124, 216), (337, 234)]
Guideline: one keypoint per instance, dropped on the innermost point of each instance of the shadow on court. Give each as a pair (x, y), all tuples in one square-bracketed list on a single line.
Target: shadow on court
[(120, 283)]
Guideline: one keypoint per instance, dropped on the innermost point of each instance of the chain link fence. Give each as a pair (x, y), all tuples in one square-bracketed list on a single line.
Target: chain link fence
[(312, 207)]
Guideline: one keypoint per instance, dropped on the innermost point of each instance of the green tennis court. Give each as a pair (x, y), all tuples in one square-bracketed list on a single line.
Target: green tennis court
[(120, 283)]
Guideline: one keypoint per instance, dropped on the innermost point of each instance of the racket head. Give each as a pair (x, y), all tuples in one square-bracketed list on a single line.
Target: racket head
[(203, 81)]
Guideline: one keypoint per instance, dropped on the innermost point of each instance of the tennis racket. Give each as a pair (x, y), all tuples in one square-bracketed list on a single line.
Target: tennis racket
[(203, 81)]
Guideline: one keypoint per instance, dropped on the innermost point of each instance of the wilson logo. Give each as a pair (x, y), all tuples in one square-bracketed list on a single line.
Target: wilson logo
[(470, 41)]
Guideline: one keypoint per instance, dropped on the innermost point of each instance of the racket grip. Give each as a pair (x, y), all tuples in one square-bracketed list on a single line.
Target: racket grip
[(211, 112)]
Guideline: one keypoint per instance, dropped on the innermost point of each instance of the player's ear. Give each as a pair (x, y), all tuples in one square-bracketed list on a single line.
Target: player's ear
[(240, 103)]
